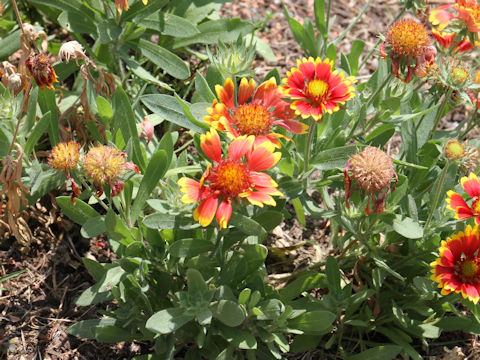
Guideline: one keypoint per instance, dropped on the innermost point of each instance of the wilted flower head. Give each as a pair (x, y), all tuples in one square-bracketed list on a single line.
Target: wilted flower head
[(104, 165), (457, 268), (71, 50), (254, 111), (316, 88), (65, 156), (372, 170), (408, 45), (455, 150), (42, 71)]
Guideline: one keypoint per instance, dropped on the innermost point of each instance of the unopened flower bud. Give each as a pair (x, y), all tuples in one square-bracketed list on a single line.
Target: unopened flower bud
[(455, 150), (14, 82)]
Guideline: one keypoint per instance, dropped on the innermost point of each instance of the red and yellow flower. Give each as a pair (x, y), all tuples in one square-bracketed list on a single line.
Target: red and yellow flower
[(315, 88), (469, 12), (457, 269), (440, 19), (408, 45), (471, 185), (231, 178), (257, 112)]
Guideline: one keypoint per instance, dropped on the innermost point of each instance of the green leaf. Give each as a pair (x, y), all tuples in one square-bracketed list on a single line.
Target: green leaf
[(170, 24), (240, 339), (9, 44), (199, 294), (164, 221), (299, 211), (190, 247), (93, 227), (86, 328), (168, 107), (79, 213), (334, 158), (269, 219), (382, 265), (229, 313), (31, 111), (125, 118), (37, 131), (307, 280), (319, 10), (164, 59), (226, 30), (114, 334), (142, 73), (357, 48), (313, 322), (407, 227), (247, 226), (380, 135), (155, 170), (168, 320), (139, 11), (117, 229), (105, 110), (333, 274), (47, 102), (202, 90), (383, 352)]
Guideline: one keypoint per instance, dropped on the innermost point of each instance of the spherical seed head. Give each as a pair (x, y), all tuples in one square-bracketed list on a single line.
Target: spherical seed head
[(372, 169), (103, 164), (64, 156), (407, 37), (455, 150)]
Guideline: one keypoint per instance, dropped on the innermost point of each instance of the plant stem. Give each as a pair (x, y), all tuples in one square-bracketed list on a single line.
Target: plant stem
[(327, 24), (439, 115), (19, 19), (84, 183), (379, 89), (308, 145), (471, 124), (437, 195)]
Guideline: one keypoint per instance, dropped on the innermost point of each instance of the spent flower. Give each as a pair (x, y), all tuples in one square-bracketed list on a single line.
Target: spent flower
[(457, 268), (42, 71), (231, 179), (104, 165), (408, 45), (254, 111), (72, 50), (64, 157), (372, 171), (314, 88)]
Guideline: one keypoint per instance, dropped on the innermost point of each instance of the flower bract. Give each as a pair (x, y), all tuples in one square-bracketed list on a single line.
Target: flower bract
[(315, 88), (471, 185), (228, 179), (256, 111), (457, 269)]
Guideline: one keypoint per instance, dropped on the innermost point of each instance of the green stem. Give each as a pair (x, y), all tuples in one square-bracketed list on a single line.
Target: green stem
[(308, 145), (379, 89), (437, 195), (327, 24), (84, 183), (471, 124), (439, 115)]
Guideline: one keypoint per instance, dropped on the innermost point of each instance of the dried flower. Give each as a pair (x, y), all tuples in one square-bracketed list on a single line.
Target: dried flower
[(372, 171), (104, 165), (457, 268), (41, 70), (315, 88), (72, 50), (408, 45)]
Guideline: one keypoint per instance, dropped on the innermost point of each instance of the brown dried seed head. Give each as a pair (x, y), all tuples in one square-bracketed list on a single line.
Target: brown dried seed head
[(372, 169)]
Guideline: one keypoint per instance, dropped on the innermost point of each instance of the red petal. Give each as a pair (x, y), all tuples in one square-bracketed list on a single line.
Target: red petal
[(263, 157), (225, 93), (205, 212), (224, 212), (210, 144), (471, 185), (240, 146), (245, 90)]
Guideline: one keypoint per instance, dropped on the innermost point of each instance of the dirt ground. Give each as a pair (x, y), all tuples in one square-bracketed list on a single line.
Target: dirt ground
[(40, 303)]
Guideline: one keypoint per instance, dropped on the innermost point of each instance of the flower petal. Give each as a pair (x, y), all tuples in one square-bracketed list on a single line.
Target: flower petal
[(224, 212), (258, 198), (205, 212), (225, 93), (245, 90), (263, 157), (210, 144), (471, 185), (240, 146), (193, 190)]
